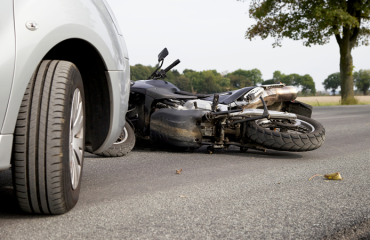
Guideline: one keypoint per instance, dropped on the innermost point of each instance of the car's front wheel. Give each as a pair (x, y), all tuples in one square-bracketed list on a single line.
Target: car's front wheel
[(49, 140)]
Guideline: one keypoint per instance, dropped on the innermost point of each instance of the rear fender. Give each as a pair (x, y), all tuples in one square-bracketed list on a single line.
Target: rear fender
[(298, 107)]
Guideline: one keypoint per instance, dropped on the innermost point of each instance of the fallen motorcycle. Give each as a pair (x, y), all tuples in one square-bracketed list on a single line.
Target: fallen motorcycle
[(259, 117)]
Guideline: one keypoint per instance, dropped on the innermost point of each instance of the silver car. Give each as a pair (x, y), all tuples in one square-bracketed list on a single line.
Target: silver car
[(64, 73)]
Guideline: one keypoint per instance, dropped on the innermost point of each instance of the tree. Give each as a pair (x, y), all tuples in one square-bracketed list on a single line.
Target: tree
[(211, 82), (305, 82), (140, 72), (332, 82), (277, 76), (268, 82), (253, 75), (209, 85), (195, 79), (238, 81), (362, 80), (183, 83), (290, 79), (315, 22)]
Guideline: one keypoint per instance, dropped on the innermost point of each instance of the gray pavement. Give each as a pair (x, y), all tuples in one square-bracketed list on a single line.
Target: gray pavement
[(232, 195)]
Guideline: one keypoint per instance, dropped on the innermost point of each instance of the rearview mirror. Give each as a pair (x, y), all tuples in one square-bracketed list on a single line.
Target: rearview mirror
[(163, 54)]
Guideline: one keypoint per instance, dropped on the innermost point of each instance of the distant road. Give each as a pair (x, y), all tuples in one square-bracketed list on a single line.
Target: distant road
[(233, 195)]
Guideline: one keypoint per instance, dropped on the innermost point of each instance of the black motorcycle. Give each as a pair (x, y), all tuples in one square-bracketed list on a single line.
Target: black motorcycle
[(259, 117)]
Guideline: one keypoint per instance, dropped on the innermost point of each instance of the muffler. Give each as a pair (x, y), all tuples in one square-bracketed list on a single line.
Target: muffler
[(271, 96)]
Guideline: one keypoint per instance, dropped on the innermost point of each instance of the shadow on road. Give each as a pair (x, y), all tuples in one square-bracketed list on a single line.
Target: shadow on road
[(235, 151), (8, 201), (9, 208)]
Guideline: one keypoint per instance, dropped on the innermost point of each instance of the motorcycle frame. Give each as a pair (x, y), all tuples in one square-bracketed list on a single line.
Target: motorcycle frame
[(145, 106), (148, 98)]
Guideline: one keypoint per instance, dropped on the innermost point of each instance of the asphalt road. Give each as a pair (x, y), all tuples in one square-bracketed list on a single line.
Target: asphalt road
[(233, 195)]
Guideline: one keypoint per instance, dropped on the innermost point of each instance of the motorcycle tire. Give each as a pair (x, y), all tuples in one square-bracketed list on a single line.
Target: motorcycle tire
[(288, 141), (124, 144)]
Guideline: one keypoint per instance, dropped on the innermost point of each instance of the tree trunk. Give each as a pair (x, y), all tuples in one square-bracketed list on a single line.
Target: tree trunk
[(346, 76), (346, 44)]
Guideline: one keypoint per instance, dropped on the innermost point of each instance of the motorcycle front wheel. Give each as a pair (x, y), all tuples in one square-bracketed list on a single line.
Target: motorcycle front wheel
[(300, 135), (124, 144)]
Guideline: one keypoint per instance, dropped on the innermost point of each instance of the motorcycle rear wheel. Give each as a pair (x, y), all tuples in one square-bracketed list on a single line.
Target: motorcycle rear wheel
[(293, 141)]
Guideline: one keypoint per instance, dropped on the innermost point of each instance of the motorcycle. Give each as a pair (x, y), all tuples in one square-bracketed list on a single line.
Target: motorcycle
[(258, 117)]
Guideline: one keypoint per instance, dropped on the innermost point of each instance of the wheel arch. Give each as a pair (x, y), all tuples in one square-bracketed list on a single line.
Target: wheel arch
[(93, 69)]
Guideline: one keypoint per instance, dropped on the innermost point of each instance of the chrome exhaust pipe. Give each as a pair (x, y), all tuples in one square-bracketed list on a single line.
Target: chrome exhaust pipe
[(288, 93), (273, 95)]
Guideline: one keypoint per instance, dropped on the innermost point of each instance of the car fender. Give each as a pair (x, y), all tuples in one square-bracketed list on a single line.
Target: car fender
[(7, 50), (57, 21)]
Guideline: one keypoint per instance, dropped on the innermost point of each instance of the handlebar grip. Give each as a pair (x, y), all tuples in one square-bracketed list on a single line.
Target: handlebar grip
[(172, 65)]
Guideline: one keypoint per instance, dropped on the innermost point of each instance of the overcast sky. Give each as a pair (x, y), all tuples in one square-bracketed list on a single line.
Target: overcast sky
[(209, 34)]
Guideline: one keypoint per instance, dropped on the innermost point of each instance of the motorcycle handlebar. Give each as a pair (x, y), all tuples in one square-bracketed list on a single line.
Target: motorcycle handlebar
[(172, 65)]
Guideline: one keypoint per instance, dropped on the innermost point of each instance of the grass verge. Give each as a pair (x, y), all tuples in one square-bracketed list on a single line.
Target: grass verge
[(333, 100), (318, 104)]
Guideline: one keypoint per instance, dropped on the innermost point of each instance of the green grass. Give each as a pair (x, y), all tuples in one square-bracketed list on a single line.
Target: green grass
[(318, 104)]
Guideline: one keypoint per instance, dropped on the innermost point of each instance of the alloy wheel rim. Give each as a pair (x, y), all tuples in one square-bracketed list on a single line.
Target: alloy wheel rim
[(123, 137), (303, 125), (76, 137)]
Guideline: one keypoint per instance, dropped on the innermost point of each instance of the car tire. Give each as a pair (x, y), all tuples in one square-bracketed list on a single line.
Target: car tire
[(49, 140), (124, 144)]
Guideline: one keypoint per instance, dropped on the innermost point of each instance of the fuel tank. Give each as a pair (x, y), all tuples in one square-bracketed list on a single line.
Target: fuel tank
[(176, 127)]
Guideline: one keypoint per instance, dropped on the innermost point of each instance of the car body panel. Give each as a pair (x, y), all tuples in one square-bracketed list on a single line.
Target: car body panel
[(7, 50), (59, 20), (120, 104), (6, 142)]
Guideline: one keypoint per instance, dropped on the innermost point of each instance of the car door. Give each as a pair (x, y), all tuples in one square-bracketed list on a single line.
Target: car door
[(7, 54)]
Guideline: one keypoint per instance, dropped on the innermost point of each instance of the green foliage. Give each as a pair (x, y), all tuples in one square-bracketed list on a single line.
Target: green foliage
[(332, 82), (305, 82), (238, 81), (268, 82), (210, 81), (312, 21), (254, 76), (140, 72), (315, 22), (183, 83), (277, 76), (362, 80)]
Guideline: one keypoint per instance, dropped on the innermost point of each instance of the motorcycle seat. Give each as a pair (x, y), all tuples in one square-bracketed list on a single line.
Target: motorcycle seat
[(231, 96), (193, 94)]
